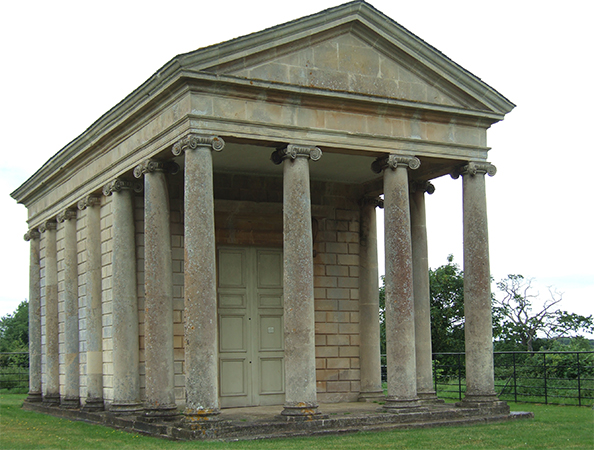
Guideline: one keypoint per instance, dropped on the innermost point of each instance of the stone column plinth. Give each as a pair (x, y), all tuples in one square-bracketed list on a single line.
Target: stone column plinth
[(418, 220), (34, 395), (299, 324), (400, 319), (200, 313), (478, 331), (91, 205), (71, 398), (369, 349), (158, 292), (52, 357), (126, 381)]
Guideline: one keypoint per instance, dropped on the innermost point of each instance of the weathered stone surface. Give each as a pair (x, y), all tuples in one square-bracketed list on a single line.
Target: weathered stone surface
[(35, 393)]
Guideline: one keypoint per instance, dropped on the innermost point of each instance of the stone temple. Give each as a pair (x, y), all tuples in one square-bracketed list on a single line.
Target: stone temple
[(210, 242)]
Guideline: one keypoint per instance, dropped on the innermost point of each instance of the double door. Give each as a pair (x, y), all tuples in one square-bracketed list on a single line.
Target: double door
[(250, 314)]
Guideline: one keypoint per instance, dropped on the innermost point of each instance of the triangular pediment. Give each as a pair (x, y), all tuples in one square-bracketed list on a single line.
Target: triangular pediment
[(351, 48)]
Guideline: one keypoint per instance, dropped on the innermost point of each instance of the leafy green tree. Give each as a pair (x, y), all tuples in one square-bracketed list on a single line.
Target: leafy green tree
[(446, 285), (518, 324), (14, 330)]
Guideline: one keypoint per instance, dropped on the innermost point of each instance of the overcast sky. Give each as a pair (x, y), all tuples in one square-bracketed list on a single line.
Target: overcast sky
[(64, 64)]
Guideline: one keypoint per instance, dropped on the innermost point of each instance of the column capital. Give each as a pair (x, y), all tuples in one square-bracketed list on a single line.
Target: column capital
[(152, 165), (376, 202), (119, 184), (193, 141), (393, 161), (293, 151), (474, 168), (422, 186), (67, 214), (89, 201), (48, 225), (32, 234)]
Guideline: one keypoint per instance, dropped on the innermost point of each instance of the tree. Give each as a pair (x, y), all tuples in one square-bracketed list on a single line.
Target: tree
[(518, 324), (446, 284), (14, 330)]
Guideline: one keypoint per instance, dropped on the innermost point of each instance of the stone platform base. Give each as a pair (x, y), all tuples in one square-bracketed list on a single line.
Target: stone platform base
[(266, 422)]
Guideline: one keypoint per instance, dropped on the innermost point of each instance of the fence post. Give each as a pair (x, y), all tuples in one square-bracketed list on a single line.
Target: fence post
[(544, 364), (515, 378), (579, 379), (459, 377)]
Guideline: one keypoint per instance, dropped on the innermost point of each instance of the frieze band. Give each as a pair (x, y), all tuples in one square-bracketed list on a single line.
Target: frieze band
[(394, 161), (118, 184), (193, 141), (474, 168), (293, 151), (151, 165)]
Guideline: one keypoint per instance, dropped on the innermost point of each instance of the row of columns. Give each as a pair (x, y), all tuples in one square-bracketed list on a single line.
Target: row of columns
[(407, 296)]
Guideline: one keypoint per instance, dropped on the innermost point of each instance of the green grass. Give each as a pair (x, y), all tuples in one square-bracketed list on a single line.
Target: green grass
[(555, 427)]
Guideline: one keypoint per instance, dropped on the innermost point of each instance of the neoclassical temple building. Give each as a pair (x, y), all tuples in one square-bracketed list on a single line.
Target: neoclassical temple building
[(210, 242)]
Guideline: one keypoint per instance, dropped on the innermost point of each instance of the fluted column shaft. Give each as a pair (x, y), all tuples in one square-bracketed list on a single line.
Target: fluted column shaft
[(200, 314), (400, 320), (126, 381), (158, 291), (71, 398), (299, 322), (421, 290), (93, 307), (52, 358), (34, 318), (478, 328), (369, 349)]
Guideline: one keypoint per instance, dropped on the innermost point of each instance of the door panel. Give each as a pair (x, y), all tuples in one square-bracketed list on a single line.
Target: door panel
[(251, 335)]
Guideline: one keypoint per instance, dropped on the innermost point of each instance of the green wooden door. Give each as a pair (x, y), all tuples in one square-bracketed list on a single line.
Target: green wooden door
[(251, 347)]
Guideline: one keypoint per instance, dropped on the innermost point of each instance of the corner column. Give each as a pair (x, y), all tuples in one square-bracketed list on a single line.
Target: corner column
[(158, 291), (34, 396), (200, 313), (299, 324), (71, 397), (400, 319), (369, 349), (91, 205), (52, 355), (478, 328), (126, 380), (421, 289)]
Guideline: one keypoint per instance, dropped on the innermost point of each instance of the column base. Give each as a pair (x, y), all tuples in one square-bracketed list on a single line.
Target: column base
[(487, 403), (125, 408), (34, 397), (164, 413), (429, 398), (93, 405), (371, 396), (70, 403), (193, 416), (302, 411), (51, 399), (402, 405)]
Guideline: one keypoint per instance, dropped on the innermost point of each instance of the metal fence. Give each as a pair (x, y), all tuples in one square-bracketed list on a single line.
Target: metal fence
[(564, 378), (14, 370)]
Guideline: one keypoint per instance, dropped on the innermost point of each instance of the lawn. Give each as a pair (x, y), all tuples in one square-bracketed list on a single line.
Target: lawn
[(555, 427)]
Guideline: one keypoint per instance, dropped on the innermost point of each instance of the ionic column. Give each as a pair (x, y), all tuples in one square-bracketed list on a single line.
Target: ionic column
[(300, 356), (52, 351), (478, 327), (158, 291), (201, 352), (71, 398), (400, 319), (91, 205), (418, 222), (34, 395), (126, 381), (369, 349)]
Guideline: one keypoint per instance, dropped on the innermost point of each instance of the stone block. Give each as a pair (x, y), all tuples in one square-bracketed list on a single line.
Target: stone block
[(338, 363), (325, 281), (347, 237), (326, 328), (338, 339), (348, 260), (349, 352), (347, 282), (338, 386), (337, 247), (337, 293), (327, 352), (325, 305), (339, 271), (348, 328), (327, 374)]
